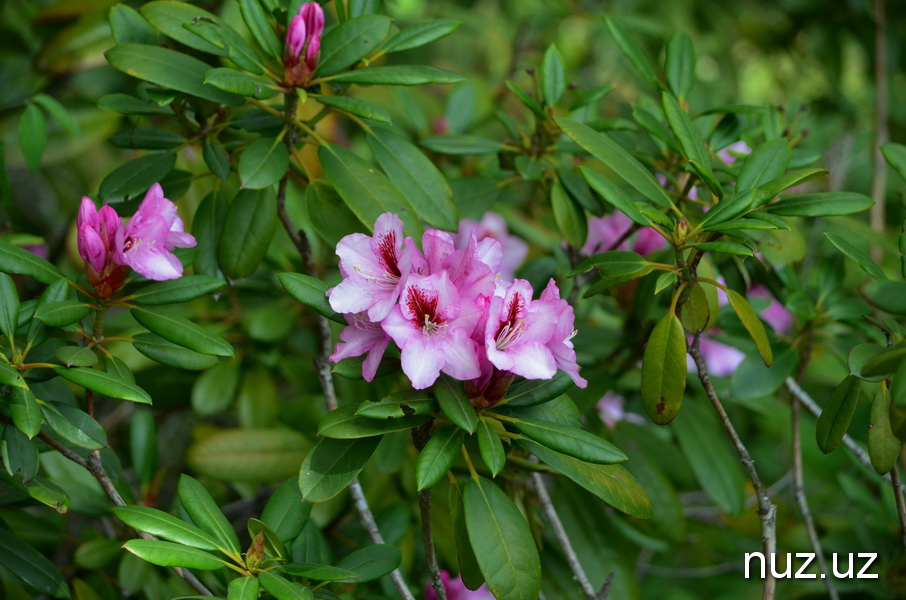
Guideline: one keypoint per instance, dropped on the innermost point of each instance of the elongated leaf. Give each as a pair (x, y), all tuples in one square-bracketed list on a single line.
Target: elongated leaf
[(182, 332), (204, 512), (356, 106), (569, 440), (614, 262), (632, 50), (895, 155), (243, 588), (227, 39), (455, 404), (318, 572), (884, 363), (58, 112), (461, 144), (416, 177), (502, 542), (569, 216), (285, 513), (128, 25), (311, 292), (168, 554), (769, 190), (490, 446), (530, 392), (679, 65), (249, 455), (170, 17), (553, 76), (371, 562), (331, 465), (860, 256), (367, 192), (130, 105), (247, 232), (210, 219), (527, 100), (74, 425), (148, 139), (104, 383), (20, 455), (664, 370), (752, 324), (263, 163), (614, 196), (216, 158), (727, 209), (25, 411), (256, 20), (76, 356), (889, 296), (343, 423), (469, 570), (824, 204), (174, 291), (691, 142), (883, 445), (766, 163), (61, 314), (438, 455), (726, 248), (420, 35), (240, 83), (14, 259), (169, 69), (9, 306), (30, 566), (349, 42), (158, 349), (136, 176), (621, 162), (166, 526), (33, 135), (838, 414), (399, 404), (696, 315), (397, 75)]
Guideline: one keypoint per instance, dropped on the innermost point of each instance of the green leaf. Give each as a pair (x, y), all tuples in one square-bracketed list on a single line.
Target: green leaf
[(530, 392), (502, 542), (215, 389), (130, 105), (727, 209), (578, 189), (553, 76), (397, 75), (61, 314), (343, 423), (416, 177), (399, 404), (263, 163), (461, 144), (285, 513), (725, 247), (30, 566), (243, 588), (527, 100), (262, 30), (862, 354), (895, 155), (614, 262), (20, 455), (349, 42), (210, 219), (273, 545), (204, 512), (775, 222), (766, 163), (696, 315), (664, 370), (332, 465), (166, 526), (633, 51), (691, 142), (158, 349), (170, 17), (169, 68), (571, 441), (889, 296), (351, 368), (14, 259), (182, 332), (104, 383), (621, 162), (74, 425), (454, 403), (311, 292), (188, 287), (25, 411), (371, 562), (318, 572), (569, 216), (249, 455), (716, 467), (238, 82), (679, 64), (216, 158), (559, 410), (143, 450), (614, 196), (861, 257), (230, 41), (168, 554), (128, 25), (76, 356), (438, 455), (58, 112), (420, 35), (9, 306), (32, 135), (247, 232), (752, 324), (769, 190), (824, 204), (469, 570), (885, 362), (51, 495), (367, 192), (136, 176), (356, 106), (147, 139), (490, 446), (883, 445), (838, 414)]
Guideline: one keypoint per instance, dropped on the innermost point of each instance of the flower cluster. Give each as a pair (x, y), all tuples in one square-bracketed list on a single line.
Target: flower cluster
[(604, 232), (109, 248), (447, 310), (303, 44)]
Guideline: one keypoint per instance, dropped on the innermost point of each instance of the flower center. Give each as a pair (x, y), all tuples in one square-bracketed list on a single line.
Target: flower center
[(512, 329), (130, 242), (386, 254), (424, 312)]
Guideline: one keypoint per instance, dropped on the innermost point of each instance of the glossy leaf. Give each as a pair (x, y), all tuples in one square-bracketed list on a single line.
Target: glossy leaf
[(569, 216), (857, 254), (266, 454), (243, 588), (399, 404), (136, 176), (752, 324), (632, 50), (204, 512), (356, 106), (332, 465), (148, 139), (61, 314), (343, 423), (679, 65), (263, 163), (691, 142), (188, 287), (696, 315), (530, 392), (14, 259), (285, 512), (240, 83), (311, 292), (371, 562), (169, 554), (553, 76), (9, 306), (614, 262), (895, 155), (420, 35), (490, 446), (838, 414), (766, 163), (182, 332), (130, 105), (262, 31), (104, 383), (885, 362), (727, 209), (247, 232), (158, 349), (454, 403), (614, 195), (33, 135), (822, 204), (25, 411), (397, 75), (207, 228), (76, 356), (349, 42), (883, 445), (889, 296), (74, 425), (571, 441), (30, 565), (461, 144), (438, 455), (216, 158), (319, 572), (20, 455), (166, 526), (664, 370)]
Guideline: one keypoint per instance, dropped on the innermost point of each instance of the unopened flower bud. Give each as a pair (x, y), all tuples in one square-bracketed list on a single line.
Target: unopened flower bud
[(303, 44)]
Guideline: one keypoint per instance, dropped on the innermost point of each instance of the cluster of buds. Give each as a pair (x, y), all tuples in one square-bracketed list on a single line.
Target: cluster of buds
[(447, 309), (303, 45), (144, 244)]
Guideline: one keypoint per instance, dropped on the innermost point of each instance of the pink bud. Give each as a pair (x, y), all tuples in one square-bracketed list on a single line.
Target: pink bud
[(295, 36), (303, 44), (313, 15)]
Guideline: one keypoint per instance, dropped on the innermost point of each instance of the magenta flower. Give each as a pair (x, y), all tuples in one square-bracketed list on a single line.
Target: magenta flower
[(362, 336), (147, 241), (374, 268), (603, 233), (518, 330), (457, 590), (432, 331), (611, 410), (735, 150), (303, 44), (97, 231), (560, 343), (775, 314), (722, 360), (492, 225)]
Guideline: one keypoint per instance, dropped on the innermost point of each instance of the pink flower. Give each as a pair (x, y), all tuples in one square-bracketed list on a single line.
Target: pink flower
[(734, 150), (518, 330), (97, 231), (146, 242), (493, 226), (362, 336), (610, 409), (457, 590), (303, 44), (433, 331), (374, 268), (603, 233), (721, 360), (775, 314), (560, 343)]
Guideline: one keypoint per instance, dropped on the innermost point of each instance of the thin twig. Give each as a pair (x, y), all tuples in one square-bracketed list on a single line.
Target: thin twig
[(850, 443), (901, 506), (571, 557), (605, 589), (424, 503), (94, 466), (879, 178), (766, 509)]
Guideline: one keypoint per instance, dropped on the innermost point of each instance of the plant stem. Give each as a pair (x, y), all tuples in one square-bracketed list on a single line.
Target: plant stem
[(574, 564), (94, 466), (424, 503), (882, 135), (766, 509)]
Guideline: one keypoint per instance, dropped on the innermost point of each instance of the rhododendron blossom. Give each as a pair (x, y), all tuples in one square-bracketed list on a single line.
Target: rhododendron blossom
[(604, 232), (447, 310), (457, 590), (303, 44), (492, 225)]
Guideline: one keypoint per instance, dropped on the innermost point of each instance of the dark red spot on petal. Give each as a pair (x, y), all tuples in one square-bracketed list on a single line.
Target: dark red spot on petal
[(386, 253), (422, 306)]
